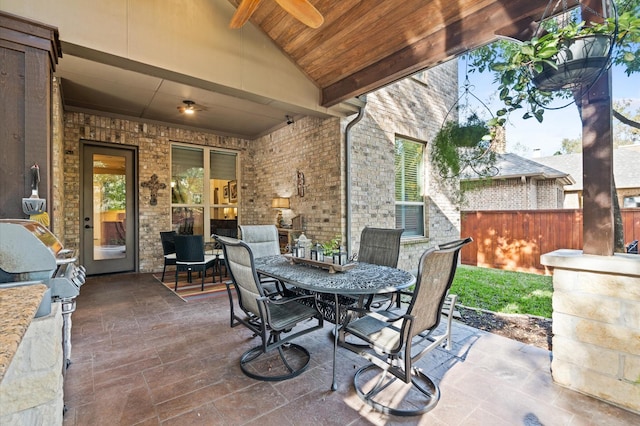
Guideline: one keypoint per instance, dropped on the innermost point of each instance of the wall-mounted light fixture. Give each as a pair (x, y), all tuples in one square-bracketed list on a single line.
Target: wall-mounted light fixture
[(280, 203)]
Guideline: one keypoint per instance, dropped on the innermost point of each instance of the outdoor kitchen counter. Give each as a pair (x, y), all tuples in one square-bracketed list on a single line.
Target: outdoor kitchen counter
[(18, 306)]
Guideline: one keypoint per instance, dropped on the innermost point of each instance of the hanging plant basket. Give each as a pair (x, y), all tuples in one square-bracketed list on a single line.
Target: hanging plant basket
[(579, 61), (459, 146)]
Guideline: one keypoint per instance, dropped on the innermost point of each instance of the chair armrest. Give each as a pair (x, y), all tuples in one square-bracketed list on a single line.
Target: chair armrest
[(285, 300)]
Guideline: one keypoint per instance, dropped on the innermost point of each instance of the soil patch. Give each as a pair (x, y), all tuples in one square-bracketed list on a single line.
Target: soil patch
[(523, 328)]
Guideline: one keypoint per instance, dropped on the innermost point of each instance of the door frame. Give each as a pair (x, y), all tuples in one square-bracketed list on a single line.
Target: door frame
[(136, 212)]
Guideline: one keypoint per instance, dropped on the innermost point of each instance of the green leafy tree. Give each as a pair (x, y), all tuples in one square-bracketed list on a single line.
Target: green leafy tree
[(514, 64), (114, 195), (571, 146), (626, 129)]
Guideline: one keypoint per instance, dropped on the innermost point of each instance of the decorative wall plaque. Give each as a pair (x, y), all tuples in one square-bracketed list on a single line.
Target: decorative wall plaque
[(154, 185)]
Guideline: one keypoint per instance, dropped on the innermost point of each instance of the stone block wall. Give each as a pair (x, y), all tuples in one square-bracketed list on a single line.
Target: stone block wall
[(596, 325), (31, 391)]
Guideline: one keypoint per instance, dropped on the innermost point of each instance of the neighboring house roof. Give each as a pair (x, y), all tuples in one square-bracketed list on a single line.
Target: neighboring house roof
[(625, 167), (513, 166)]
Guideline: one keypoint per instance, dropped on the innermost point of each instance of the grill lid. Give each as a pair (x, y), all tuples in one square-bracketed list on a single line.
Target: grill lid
[(27, 246)]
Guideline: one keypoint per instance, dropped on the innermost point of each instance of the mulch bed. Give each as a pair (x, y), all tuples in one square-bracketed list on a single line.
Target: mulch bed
[(523, 328)]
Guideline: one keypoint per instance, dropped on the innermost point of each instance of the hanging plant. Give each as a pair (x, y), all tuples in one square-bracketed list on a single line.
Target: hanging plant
[(467, 145)]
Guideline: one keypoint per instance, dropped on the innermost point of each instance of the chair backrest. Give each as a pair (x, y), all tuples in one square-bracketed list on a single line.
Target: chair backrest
[(436, 270), (380, 246), (263, 239), (168, 242), (189, 248), (239, 260)]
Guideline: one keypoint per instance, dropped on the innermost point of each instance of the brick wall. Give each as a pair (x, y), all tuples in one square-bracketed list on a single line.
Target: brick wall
[(312, 146), (57, 142), (154, 146), (514, 194), (412, 108)]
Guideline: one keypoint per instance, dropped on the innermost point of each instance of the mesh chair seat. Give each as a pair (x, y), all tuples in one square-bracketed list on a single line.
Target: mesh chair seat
[(264, 241)]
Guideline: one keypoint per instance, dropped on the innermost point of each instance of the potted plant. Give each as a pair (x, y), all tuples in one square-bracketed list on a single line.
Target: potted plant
[(533, 73), (330, 246), (581, 53)]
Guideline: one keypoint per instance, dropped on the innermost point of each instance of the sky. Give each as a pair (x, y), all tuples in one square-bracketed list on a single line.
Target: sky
[(525, 136)]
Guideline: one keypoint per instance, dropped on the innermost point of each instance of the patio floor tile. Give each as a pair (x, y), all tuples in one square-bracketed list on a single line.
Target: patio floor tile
[(143, 356)]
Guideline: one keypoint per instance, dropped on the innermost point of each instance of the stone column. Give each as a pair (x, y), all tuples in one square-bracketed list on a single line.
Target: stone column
[(596, 325)]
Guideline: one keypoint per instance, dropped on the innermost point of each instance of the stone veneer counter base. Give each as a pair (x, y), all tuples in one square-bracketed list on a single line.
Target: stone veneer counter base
[(18, 306), (596, 325)]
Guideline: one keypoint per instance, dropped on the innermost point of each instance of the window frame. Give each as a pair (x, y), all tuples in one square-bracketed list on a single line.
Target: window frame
[(207, 203), (421, 181)]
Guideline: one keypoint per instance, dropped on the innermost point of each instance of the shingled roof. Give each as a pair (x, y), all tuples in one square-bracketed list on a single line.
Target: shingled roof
[(625, 167), (514, 166)]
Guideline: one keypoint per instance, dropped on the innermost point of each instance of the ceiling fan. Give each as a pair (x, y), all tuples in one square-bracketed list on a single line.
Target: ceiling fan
[(189, 107), (302, 10)]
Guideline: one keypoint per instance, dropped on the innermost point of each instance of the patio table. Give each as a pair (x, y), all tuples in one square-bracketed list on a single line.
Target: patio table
[(362, 279)]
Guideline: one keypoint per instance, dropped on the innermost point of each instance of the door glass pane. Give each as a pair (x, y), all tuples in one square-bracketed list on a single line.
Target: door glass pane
[(109, 207)]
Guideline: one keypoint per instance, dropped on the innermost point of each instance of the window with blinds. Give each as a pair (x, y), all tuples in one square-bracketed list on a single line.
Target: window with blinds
[(409, 188), (204, 190)]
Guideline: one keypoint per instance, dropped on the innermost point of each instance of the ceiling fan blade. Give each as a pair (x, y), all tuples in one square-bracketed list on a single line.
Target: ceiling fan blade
[(243, 13), (303, 11)]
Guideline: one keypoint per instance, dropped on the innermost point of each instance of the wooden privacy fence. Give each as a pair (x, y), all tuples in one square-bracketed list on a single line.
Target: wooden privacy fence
[(514, 240)]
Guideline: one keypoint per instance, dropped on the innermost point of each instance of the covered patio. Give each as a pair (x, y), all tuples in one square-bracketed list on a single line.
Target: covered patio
[(143, 356), (146, 357)]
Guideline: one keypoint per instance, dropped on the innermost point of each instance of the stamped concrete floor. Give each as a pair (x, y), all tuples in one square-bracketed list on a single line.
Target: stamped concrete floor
[(143, 356)]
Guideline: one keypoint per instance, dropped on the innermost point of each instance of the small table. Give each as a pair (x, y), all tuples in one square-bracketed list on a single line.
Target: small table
[(363, 279)]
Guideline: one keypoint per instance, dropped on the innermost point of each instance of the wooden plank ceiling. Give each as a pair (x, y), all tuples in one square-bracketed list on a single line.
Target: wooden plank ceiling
[(366, 44)]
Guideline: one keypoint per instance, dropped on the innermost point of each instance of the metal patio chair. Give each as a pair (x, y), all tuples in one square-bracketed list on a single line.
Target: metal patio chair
[(270, 318), (392, 383), (264, 241)]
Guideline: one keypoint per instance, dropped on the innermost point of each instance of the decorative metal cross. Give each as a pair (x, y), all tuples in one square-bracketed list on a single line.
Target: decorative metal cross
[(153, 184)]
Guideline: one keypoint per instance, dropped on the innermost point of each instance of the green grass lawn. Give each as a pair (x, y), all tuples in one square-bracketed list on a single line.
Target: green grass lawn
[(503, 291)]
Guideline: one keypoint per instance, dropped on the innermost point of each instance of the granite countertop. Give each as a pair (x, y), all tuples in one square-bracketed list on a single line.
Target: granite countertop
[(18, 306)]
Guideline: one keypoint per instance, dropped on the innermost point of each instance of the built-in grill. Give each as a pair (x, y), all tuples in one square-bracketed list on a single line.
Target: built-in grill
[(30, 253)]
